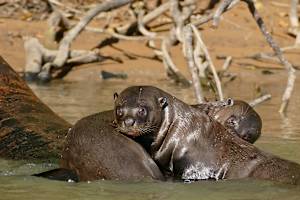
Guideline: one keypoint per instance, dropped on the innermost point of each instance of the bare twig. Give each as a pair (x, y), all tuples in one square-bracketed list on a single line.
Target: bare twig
[(200, 60), (180, 14), (212, 16), (58, 24), (141, 26), (172, 70), (222, 7), (259, 100), (227, 63), (188, 38), (149, 17), (146, 19), (212, 67), (175, 35)]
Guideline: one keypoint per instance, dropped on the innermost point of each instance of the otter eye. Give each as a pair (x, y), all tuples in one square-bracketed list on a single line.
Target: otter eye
[(119, 112), (142, 112)]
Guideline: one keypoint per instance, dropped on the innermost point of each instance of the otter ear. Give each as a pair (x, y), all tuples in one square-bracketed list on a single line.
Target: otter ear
[(229, 102), (162, 102), (116, 96)]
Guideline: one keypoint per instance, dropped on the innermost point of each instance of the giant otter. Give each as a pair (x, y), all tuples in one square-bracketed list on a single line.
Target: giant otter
[(188, 144), (238, 117), (94, 150)]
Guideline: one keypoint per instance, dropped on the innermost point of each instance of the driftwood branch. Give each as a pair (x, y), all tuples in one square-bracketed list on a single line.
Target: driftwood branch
[(179, 17), (212, 16), (200, 60), (149, 17), (224, 6), (209, 60), (142, 28), (227, 63), (38, 59), (172, 70), (58, 25), (188, 41), (259, 100)]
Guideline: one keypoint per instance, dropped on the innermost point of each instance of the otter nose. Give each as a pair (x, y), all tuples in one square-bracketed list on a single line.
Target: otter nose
[(129, 122)]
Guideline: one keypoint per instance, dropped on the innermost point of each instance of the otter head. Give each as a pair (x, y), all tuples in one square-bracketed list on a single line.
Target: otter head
[(241, 119), (139, 111)]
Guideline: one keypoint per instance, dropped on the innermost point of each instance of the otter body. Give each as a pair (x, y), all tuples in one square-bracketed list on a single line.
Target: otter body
[(188, 144), (94, 150)]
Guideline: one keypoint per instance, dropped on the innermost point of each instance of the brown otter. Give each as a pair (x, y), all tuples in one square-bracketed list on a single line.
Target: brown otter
[(189, 144), (237, 116), (94, 150)]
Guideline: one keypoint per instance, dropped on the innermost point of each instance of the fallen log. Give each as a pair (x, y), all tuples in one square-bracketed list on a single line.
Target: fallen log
[(28, 128)]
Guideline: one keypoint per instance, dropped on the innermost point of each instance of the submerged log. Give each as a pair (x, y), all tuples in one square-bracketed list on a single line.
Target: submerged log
[(28, 128)]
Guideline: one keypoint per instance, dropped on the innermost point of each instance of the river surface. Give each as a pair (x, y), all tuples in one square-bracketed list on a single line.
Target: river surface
[(74, 100)]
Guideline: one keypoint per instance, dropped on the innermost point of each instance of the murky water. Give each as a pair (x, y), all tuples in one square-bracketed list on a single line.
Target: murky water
[(73, 100)]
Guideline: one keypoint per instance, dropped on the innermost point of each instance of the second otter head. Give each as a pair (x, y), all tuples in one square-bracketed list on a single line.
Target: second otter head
[(138, 110)]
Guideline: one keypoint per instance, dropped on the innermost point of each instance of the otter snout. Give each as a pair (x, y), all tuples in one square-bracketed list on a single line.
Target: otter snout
[(128, 122)]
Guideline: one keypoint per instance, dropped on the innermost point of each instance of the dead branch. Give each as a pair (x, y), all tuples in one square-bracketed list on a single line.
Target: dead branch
[(149, 17), (259, 100), (188, 41), (209, 60), (38, 59), (65, 44), (227, 63), (180, 15), (222, 7), (34, 58), (58, 25), (171, 69), (200, 60), (141, 26), (212, 16)]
